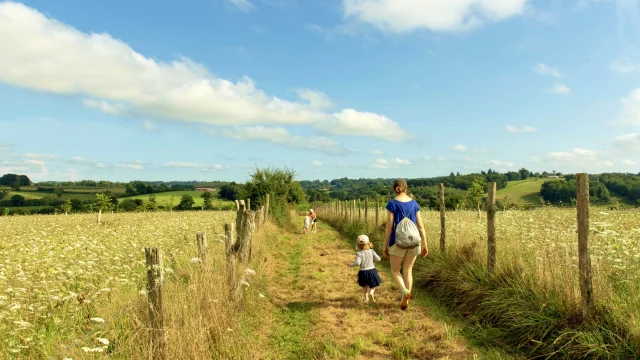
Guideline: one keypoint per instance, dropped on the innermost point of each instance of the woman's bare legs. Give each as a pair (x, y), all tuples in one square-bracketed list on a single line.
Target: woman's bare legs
[(396, 264), (407, 271)]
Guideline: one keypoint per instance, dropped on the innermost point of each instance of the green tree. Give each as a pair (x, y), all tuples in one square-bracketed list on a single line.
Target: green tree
[(103, 203), (524, 173), (475, 193), (207, 196), (58, 191), (151, 204), (66, 207), (17, 200), (282, 188), (186, 202)]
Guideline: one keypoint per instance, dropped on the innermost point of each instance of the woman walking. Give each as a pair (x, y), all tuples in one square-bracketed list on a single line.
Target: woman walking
[(403, 255)]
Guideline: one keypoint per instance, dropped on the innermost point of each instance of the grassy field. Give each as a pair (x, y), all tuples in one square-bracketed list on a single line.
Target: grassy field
[(39, 195), (523, 192), (70, 288), (164, 199)]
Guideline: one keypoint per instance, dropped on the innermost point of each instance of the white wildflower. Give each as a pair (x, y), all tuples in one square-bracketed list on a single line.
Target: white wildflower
[(103, 341), (249, 272), (98, 320)]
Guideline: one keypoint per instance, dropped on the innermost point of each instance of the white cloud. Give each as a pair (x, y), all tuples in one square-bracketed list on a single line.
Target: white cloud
[(403, 161), (148, 125), (317, 99), (439, 158), (106, 107), (377, 152), (40, 156), (501, 164), (606, 163), (630, 113), (381, 164), (543, 69), (283, 137), (243, 5), (628, 142), (354, 123), (194, 166), (629, 162), (43, 54), (460, 148), (625, 65), (316, 163), (525, 129), (577, 154), (401, 16), (560, 89)]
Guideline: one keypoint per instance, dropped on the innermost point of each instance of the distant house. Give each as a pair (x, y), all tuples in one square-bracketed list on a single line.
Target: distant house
[(553, 177), (206, 189)]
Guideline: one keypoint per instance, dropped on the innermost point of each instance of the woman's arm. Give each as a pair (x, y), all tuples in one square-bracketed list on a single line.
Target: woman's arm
[(423, 235), (387, 234)]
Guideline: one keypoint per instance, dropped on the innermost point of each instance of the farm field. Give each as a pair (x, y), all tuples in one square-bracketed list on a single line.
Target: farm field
[(523, 192), (543, 243), (66, 281), (164, 199)]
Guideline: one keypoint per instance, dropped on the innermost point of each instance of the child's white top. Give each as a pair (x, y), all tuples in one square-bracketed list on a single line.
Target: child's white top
[(365, 258), (306, 221)]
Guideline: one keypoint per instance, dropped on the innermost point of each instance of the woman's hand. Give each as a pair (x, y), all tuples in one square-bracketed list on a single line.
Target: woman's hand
[(425, 252), (385, 253)]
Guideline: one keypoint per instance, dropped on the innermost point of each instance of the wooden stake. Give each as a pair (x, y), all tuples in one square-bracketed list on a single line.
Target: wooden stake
[(366, 210), (584, 258), (201, 240), (491, 227), (443, 233), (377, 211), (230, 252), (248, 227), (153, 257), (359, 210), (266, 207)]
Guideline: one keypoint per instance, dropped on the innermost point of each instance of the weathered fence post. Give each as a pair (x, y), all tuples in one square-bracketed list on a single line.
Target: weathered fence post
[(377, 211), (230, 252), (366, 210), (443, 232), (266, 208), (201, 240), (491, 227), (237, 205), (239, 221), (248, 202), (359, 210), (586, 285), (153, 258), (248, 227)]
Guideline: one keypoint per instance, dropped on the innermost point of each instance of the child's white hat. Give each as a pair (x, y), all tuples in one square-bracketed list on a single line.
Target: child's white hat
[(362, 239)]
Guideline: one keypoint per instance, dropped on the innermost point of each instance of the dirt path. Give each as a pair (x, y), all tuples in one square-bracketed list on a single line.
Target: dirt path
[(320, 313)]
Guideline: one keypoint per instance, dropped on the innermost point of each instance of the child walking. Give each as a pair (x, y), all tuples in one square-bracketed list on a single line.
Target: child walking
[(368, 277), (305, 228)]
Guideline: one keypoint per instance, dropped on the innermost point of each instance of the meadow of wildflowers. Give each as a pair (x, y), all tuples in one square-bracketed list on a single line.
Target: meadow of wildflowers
[(69, 287), (542, 246)]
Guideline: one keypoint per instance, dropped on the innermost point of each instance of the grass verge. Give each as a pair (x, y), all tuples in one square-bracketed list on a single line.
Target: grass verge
[(508, 314)]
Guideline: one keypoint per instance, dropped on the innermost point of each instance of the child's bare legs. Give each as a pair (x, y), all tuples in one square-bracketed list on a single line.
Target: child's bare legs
[(365, 291), (371, 294)]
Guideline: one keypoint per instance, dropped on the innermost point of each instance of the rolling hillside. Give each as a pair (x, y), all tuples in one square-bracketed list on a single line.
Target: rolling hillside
[(523, 192), (164, 199)]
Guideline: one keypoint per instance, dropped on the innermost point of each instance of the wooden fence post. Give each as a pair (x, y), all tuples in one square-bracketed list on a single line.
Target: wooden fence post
[(239, 221), (586, 285), (248, 227), (491, 227), (237, 205), (266, 209), (366, 210), (248, 204), (377, 211), (230, 252), (359, 210), (201, 240), (153, 257), (443, 233)]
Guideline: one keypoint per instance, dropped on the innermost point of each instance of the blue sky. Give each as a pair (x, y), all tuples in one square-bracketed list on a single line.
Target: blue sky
[(210, 89)]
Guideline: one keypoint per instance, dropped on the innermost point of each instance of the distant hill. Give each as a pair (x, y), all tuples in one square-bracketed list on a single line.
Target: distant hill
[(523, 192)]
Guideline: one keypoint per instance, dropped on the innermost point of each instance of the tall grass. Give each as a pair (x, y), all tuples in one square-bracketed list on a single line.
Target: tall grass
[(531, 303)]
